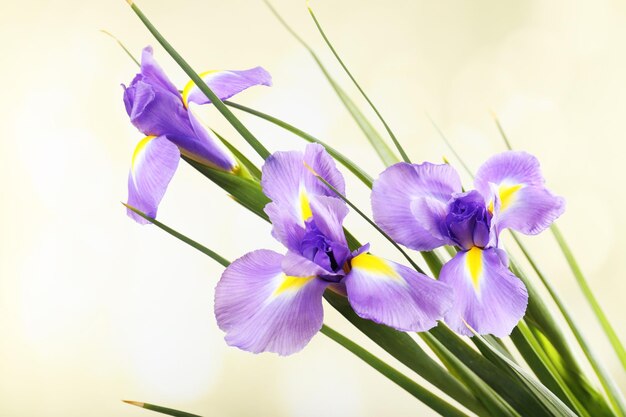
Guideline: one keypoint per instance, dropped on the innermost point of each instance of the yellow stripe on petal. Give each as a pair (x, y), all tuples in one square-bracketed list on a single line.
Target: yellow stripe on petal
[(305, 206), (507, 194), (190, 85), (374, 265), (474, 259), (292, 284), (139, 149)]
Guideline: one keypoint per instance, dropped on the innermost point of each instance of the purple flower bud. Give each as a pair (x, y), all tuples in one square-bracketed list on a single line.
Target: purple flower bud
[(324, 252), (468, 221)]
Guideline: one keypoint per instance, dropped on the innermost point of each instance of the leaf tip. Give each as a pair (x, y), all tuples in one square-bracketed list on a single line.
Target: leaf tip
[(135, 403)]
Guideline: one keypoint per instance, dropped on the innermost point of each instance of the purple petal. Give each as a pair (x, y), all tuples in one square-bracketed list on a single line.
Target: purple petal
[(263, 310), (394, 295), (486, 294), (295, 264), (151, 70), (514, 181), (154, 162), (286, 225), (226, 84), (328, 214), (287, 181), (409, 202), (203, 148)]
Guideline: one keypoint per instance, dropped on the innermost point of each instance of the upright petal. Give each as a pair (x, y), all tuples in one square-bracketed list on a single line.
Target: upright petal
[(153, 164), (287, 180), (486, 294), (525, 204), (409, 202), (263, 310), (151, 70), (394, 295), (226, 84)]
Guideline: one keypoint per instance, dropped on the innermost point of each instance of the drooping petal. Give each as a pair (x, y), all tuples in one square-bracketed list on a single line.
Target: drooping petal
[(394, 295), (486, 294), (226, 84), (153, 164), (288, 182), (263, 310), (409, 202), (525, 204), (203, 148)]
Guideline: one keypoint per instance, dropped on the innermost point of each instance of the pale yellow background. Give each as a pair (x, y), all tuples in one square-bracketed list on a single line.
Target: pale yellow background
[(95, 309)]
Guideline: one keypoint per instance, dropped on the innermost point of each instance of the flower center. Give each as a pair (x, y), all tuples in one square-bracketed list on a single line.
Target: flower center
[(468, 222), (315, 246)]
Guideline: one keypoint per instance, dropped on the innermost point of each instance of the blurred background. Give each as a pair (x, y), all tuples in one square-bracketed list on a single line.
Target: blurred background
[(95, 308)]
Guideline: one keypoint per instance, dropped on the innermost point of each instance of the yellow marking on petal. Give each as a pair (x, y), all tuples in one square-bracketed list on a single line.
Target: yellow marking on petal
[(507, 194), (305, 206), (374, 265), (139, 149), (292, 284), (190, 85), (474, 259)]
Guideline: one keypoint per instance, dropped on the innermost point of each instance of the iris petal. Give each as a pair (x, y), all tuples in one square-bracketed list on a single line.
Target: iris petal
[(153, 164), (226, 84), (394, 295), (486, 294), (409, 202), (263, 310), (514, 186)]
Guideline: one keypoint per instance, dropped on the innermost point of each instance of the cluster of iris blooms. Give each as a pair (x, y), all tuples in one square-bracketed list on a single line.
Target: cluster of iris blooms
[(268, 301)]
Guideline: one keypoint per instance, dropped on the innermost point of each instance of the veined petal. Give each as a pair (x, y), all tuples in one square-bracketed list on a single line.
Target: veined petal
[(203, 148), (409, 202), (226, 84), (153, 164), (151, 70), (288, 182), (486, 294), (263, 310), (514, 180), (394, 295)]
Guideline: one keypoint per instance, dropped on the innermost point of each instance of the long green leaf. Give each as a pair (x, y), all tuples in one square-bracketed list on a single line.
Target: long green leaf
[(433, 401), (162, 410), (382, 149), (213, 255), (342, 159), (202, 86), (345, 68)]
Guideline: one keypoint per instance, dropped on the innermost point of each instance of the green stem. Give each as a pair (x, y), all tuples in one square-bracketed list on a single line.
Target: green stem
[(193, 75), (433, 401), (345, 68)]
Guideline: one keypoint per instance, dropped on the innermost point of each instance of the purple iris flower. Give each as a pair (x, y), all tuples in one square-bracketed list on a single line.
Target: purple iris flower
[(422, 206), (160, 112), (266, 301)]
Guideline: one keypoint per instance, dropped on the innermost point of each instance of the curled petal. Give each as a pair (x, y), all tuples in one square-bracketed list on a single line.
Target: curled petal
[(514, 186), (394, 295), (154, 162), (288, 182), (226, 84), (151, 70), (263, 310), (409, 202), (487, 296)]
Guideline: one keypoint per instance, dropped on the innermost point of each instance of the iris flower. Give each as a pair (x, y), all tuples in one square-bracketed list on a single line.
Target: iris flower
[(267, 301), (159, 111), (423, 206)]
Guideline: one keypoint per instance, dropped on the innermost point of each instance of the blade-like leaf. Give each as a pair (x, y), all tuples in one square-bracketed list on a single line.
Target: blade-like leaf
[(382, 149), (342, 159), (403, 154), (243, 160), (162, 410), (430, 399)]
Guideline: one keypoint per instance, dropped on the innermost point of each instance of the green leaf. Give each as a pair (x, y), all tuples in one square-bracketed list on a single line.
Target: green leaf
[(243, 160), (162, 410), (217, 258), (382, 149), (202, 86), (342, 159), (515, 392), (430, 399), (551, 402), (402, 347), (345, 68)]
